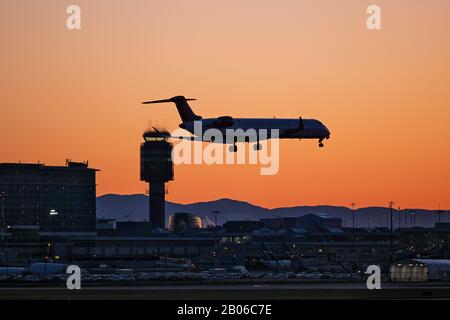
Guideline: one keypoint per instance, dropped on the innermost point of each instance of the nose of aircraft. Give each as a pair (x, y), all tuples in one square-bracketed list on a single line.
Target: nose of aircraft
[(327, 132)]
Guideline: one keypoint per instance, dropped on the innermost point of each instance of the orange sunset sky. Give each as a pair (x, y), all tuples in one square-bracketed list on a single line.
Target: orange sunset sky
[(384, 94)]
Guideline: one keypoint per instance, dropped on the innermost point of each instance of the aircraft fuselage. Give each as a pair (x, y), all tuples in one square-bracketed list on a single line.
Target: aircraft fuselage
[(288, 128)]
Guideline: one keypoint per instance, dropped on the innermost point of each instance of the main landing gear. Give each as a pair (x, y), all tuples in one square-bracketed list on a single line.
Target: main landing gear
[(257, 147), (321, 141), (233, 148)]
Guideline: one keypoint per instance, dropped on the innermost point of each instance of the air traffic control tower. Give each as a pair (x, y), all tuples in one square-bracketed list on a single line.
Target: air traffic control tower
[(156, 169)]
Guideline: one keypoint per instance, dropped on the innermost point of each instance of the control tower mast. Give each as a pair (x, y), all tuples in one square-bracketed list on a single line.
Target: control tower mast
[(156, 169)]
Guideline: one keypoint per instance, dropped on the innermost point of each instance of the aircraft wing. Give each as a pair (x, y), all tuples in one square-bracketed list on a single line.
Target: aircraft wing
[(191, 138)]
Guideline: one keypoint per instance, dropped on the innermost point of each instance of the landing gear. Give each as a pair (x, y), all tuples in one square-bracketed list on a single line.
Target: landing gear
[(321, 143), (257, 147), (233, 148)]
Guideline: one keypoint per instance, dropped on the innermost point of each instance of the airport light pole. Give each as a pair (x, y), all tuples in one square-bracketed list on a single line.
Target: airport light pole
[(391, 215), (53, 213), (3, 196), (353, 221), (353, 215), (392, 231), (215, 237)]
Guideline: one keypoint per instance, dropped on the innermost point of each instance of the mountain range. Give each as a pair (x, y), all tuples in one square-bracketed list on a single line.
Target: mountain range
[(135, 208)]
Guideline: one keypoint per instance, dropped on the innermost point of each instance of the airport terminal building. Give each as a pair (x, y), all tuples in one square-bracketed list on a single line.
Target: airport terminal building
[(48, 198)]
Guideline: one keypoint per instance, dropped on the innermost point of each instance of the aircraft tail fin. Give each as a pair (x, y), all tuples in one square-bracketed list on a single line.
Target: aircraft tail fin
[(183, 107)]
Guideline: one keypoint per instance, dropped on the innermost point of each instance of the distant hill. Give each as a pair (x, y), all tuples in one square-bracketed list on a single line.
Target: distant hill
[(135, 207)]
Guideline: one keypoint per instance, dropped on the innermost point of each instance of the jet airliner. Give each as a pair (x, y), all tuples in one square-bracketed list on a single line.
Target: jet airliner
[(288, 128)]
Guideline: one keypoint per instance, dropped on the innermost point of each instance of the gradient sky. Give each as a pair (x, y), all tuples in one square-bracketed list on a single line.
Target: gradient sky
[(384, 95)]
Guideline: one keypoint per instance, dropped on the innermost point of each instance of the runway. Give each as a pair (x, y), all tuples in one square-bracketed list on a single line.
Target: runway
[(271, 291)]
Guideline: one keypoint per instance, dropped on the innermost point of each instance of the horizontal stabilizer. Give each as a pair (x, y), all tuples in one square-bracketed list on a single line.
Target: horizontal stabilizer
[(167, 100), (184, 110)]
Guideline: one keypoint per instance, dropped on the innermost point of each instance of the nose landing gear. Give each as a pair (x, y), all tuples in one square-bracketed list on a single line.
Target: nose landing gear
[(321, 143)]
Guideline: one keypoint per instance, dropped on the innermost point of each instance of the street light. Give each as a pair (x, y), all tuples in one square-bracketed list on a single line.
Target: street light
[(353, 223), (3, 195), (391, 204), (353, 215), (215, 237), (52, 213)]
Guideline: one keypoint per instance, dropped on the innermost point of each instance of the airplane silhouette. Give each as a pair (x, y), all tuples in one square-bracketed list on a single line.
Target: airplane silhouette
[(288, 128)]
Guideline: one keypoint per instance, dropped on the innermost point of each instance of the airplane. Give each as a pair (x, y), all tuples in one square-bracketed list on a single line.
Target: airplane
[(288, 128)]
